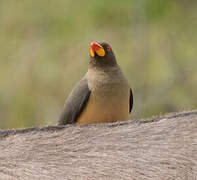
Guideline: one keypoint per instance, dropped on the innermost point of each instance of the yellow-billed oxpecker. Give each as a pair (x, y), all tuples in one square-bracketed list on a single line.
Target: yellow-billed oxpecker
[(102, 95)]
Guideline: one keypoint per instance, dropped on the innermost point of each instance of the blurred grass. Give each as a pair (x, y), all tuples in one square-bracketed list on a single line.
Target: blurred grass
[(44, 52)]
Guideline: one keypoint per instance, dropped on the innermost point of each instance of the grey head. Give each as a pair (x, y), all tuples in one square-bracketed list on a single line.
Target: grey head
[(101, 55)]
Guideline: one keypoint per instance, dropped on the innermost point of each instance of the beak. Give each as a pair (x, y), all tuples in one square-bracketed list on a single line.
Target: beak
[(96, 48)]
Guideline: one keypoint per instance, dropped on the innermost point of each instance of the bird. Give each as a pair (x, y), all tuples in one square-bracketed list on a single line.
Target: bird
[(103, 95)]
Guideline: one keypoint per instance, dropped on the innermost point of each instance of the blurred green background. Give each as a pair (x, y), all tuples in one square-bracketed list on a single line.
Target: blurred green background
[(44, 51)]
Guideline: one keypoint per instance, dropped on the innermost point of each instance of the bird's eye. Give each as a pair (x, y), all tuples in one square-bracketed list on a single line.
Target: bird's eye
[(108, 48)]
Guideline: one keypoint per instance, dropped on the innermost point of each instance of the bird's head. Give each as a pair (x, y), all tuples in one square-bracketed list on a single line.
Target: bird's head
[(101, 55)]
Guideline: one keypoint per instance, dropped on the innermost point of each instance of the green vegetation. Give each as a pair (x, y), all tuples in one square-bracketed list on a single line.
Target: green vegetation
[(44, 52)]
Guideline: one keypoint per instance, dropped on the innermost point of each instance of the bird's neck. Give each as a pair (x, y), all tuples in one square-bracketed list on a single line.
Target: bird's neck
[(102, 64), (106, 81)]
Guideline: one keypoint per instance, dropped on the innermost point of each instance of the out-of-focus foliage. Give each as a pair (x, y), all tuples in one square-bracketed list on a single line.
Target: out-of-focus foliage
[(44, 52)]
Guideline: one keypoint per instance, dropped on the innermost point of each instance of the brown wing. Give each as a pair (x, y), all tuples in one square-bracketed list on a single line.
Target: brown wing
[(130, 101), (75, 103)]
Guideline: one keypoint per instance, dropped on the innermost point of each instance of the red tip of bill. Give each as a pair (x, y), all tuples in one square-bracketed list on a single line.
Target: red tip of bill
[(95, 46)]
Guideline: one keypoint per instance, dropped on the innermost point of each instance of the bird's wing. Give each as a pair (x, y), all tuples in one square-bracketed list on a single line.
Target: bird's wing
[(130, 101), (75, 103)]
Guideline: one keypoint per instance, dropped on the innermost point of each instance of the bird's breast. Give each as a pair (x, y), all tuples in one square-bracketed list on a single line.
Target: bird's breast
[(109, 99), (107, 83)]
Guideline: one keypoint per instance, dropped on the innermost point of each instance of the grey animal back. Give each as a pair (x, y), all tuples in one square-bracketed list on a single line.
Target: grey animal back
[(75, 103)]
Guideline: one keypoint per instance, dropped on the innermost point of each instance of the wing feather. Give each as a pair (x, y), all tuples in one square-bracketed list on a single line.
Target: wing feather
[(130, 101), (75, 103)]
